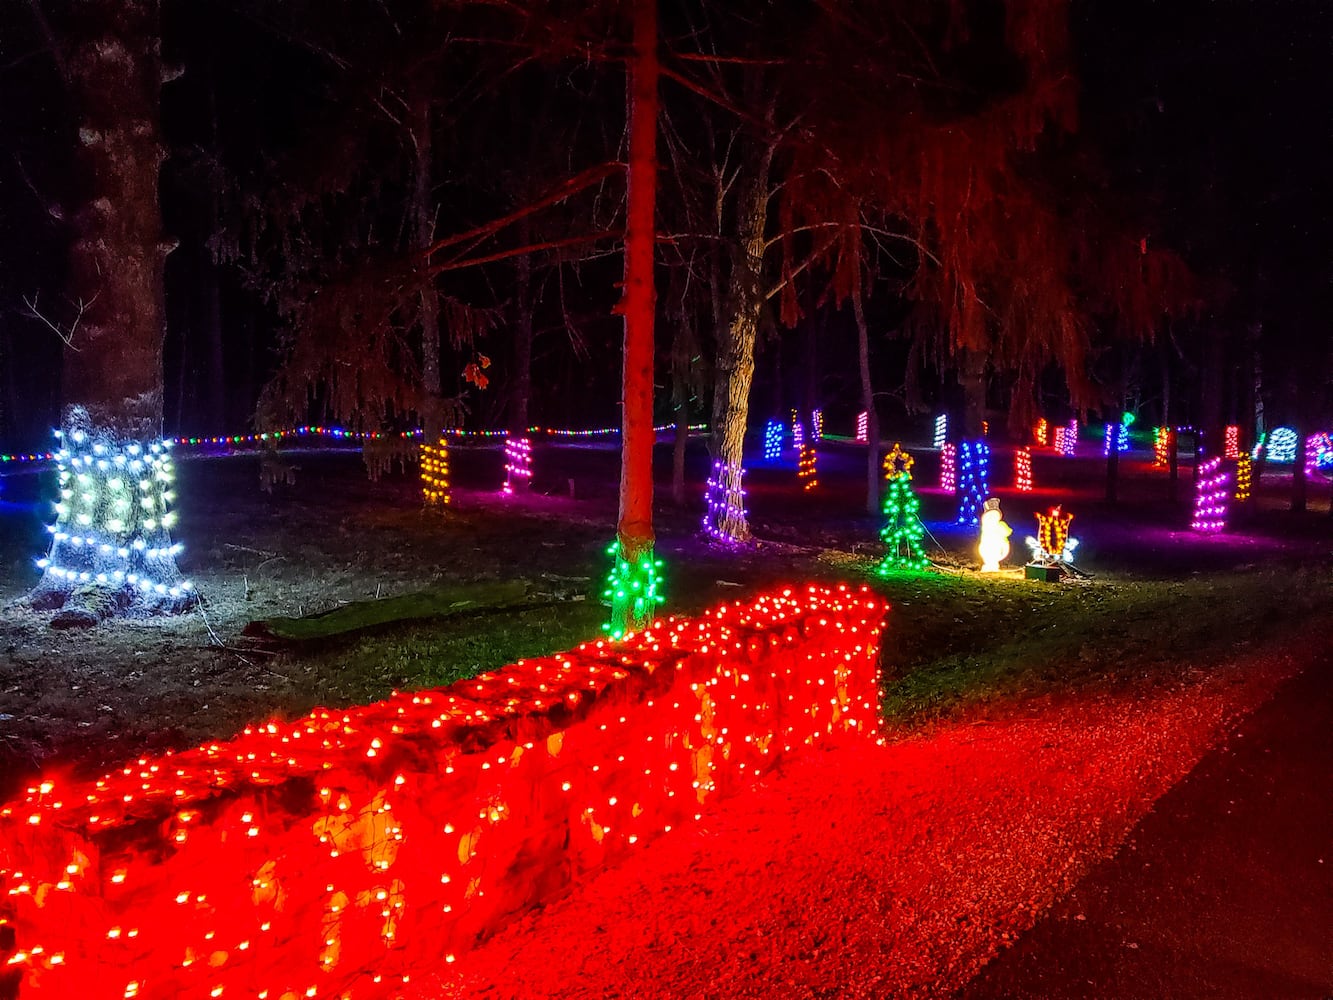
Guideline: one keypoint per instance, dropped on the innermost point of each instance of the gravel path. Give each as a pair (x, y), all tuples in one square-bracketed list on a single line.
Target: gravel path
[(871, 872)]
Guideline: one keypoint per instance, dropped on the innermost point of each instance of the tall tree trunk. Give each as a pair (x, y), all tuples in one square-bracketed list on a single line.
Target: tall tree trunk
[(815, 331), (518, 418), (1299, 485), (735, 363), (1214, 381), (112, 547), (680, 402), (868, 401), (1166, 384), (633, 584), (423, 225), (972, 378), (113, 367)]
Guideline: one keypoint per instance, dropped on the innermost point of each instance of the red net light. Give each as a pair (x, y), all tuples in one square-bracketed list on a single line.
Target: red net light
[(327, 856)]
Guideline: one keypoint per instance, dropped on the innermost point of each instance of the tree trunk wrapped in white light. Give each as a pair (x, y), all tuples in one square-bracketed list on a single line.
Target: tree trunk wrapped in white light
[(112, 535), (111, 549)]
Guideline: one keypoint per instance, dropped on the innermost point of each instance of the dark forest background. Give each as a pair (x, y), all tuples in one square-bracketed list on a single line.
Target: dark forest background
[(314, 148)]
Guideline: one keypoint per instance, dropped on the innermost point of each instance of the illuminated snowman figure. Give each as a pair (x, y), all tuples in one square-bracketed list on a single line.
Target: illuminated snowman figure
[(994, 546)]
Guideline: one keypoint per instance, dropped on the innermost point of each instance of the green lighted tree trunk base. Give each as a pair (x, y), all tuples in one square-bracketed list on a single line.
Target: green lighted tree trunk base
[(633, 589)]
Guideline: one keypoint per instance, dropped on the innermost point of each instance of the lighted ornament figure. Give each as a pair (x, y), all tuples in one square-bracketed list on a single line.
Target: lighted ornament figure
[(725, 515), (903, 530), (973, 479), (797, 432), (817, 425), (773, 441), (1023, 470), (1210, 497), (994, 545), (1041, 433), (941, 430), (112, 532), (948, 468), (1232, 446), (435, 473), (806, 472), (1282, 446), (1072, 437), (1244, 476), (1259, 445), (1053, 545), (518, 464), (1061, 442), (862, 427)]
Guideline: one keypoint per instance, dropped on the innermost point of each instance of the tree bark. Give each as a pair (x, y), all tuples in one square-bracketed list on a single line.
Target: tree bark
[(113, 363), (868, 401), (634, 531), (735, 365), (1299, 485), (972, 378), (519, 415), (423, 225), (680, 360)]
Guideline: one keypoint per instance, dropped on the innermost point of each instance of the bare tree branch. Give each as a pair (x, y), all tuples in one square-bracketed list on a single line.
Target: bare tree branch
[(66, 337)]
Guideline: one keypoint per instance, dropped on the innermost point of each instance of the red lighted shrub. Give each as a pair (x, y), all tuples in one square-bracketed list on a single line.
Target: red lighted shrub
[(324, 857)]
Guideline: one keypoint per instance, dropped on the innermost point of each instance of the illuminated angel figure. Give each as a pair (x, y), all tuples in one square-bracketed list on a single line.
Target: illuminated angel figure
[(1053, 544), (994, 545)]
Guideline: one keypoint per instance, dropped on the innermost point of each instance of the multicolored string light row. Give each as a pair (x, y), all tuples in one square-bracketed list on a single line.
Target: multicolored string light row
[(342, 434)]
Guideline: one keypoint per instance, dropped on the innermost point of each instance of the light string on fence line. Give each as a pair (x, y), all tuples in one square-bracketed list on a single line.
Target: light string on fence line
[(343, 434)]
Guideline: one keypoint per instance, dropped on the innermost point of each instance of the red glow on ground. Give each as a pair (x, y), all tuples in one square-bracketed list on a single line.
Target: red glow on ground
[(866, 871), (340, 854)]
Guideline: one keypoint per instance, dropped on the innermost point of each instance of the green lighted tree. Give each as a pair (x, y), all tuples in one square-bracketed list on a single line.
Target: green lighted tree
[(902, 529)]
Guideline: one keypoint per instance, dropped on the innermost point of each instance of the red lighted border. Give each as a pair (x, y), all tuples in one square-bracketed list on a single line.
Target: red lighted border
[(332, 855)]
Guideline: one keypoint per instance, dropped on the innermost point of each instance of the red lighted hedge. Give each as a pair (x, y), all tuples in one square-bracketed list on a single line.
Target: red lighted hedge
[(332, 855)]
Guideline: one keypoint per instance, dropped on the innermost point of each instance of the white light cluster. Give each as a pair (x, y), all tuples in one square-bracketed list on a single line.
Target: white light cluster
[(113, 516)]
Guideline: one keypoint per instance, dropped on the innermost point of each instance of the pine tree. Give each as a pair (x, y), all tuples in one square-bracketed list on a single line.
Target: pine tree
[(903, 530)]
